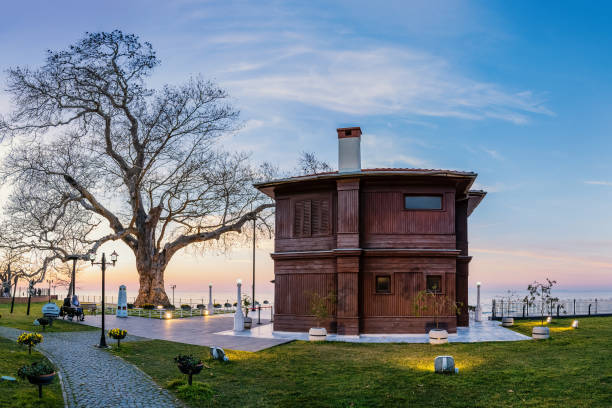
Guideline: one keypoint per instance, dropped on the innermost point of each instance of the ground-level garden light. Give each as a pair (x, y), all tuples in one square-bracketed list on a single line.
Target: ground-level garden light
[(549, 319), (575, 324), (168, 315), (445, 365)]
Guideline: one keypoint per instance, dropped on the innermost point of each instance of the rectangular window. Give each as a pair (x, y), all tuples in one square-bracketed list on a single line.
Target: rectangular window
[(383, 284), (434, 283), (423, 202)]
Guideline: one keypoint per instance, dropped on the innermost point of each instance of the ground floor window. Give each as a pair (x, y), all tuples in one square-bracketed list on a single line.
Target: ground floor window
[(434, 283), (383, 284)]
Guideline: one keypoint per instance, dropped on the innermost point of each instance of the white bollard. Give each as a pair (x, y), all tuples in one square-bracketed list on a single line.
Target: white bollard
[(239, 316)]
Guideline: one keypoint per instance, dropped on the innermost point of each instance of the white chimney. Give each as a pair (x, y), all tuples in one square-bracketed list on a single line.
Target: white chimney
[(349, 150)]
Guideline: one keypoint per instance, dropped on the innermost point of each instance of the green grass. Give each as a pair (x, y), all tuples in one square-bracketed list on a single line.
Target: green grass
[(21, 393), (572, 369), (19, 320)]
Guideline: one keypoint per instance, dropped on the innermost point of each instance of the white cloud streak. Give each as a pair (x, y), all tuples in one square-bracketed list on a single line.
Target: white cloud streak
[(378, 81)]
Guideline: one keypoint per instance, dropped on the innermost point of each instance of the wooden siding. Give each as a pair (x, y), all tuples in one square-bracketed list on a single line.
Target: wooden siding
[(433, 241), (283, 218), (408, 277), (305, 222), (384, 213)]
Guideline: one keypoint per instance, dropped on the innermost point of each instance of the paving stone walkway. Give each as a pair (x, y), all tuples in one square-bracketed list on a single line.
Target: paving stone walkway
[(95, 378)]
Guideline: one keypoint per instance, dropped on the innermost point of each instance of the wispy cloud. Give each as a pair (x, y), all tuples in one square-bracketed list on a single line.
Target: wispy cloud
[(555, 257), (599, 183), (379, 81)]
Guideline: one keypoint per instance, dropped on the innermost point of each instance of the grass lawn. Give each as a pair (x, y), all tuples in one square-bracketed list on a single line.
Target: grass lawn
[(21, 393), (19, 320), (572, 369)]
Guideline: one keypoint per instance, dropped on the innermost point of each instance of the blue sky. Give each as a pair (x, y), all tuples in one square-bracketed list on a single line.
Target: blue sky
[(518, 92)]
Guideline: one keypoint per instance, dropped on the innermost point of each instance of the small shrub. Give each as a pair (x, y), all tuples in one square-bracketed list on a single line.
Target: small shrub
[(217, 305), (170, 307), (200, 306), (29, 339), (175, 383), (130, 305), (186, 307), (197, 393), (36, 369), (227, 305), (148, 306)]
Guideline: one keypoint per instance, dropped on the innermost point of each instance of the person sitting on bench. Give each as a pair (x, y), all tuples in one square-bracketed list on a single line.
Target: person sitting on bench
[(76, 304)]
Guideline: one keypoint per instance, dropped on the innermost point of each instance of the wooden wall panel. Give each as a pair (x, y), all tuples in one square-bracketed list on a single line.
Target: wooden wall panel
[(292, 292), (383, 213), (305, 244), (283, 219), (407, 279), (430, 241)]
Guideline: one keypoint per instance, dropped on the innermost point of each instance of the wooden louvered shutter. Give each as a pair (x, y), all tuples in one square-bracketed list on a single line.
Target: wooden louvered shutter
[(307, 222)]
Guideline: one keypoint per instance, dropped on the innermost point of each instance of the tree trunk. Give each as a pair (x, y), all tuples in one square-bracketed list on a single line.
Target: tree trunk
[(151, 274)]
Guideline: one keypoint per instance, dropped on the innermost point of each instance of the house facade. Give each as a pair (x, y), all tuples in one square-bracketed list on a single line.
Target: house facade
[(374, 238)]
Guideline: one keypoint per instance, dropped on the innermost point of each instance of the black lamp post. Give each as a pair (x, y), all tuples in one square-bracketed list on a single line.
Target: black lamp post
[(113, 258)]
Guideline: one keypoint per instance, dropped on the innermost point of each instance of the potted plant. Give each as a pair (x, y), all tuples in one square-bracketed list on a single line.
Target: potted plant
[(539, 295), (29, 339), (43, 321), (39, 373), (117, 334), (319, 307), (189, 365), (438, 304), (246, 303)]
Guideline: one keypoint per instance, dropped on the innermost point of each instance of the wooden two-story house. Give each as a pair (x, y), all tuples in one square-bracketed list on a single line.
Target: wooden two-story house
[(374, 238)]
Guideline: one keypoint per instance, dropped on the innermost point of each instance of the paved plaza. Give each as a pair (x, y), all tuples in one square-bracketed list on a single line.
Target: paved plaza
[(199, 330), (477, 332), (94, 378)]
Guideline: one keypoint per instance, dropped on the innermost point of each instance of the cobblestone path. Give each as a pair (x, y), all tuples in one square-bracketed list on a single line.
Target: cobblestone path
[(95, 378)]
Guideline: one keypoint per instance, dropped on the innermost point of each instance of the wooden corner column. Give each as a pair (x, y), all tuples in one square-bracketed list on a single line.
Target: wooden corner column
[(348, 255), (463, 261)]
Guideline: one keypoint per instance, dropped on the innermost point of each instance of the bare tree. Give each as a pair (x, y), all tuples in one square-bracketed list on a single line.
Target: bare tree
[(309, 164), (92, 143)]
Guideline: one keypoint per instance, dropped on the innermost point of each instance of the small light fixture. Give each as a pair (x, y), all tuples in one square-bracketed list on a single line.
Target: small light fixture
[(549, 319), (477, 283), (114, 257), (206, 313), (239, 281), (575, 324), (168, 315), (92, 257), (160, 307), (445, 365)]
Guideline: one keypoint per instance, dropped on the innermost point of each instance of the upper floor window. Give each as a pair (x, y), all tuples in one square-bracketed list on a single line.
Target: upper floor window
[(423, 202), (311, 218)]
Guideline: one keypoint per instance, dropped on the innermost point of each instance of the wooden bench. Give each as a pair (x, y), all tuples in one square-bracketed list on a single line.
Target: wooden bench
[(90, 306)]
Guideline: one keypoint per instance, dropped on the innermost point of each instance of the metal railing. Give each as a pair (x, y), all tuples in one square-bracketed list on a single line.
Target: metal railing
[(565, 307)]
